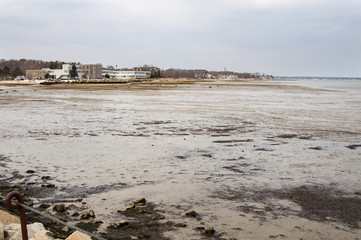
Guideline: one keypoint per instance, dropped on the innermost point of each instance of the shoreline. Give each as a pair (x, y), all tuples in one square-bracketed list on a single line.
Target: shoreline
[(120, 82)]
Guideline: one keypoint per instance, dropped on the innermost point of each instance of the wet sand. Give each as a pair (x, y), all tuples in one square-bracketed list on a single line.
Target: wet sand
[(255, 160)]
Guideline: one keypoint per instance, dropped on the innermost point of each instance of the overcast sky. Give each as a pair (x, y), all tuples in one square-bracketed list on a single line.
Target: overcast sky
[(279, 37)]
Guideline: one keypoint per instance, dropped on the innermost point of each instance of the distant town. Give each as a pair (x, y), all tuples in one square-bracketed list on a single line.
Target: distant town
[(24, 69)]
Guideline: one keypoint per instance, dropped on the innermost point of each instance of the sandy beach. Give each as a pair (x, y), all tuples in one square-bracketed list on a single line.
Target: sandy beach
[(253, 159)]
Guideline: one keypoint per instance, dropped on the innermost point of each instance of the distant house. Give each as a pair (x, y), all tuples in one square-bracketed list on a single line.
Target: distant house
[(147, 68), (228, 77)]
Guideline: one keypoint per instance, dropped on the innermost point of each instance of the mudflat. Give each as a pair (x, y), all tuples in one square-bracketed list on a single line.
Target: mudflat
[(214, 160)]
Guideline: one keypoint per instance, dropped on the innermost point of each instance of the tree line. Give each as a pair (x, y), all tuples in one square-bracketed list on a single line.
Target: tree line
[(202, 74), (12, 68)]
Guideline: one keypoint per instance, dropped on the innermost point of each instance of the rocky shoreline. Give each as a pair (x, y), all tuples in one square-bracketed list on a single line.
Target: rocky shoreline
[(139, 220)]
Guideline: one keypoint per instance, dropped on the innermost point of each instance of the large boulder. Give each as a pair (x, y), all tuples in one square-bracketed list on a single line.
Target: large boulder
[(7, 218), (14, 231), (78, 236)]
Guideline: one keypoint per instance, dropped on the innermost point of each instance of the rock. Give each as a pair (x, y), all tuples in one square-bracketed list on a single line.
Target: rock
[(192, 214), (45, 177), (130, 206), (85, 216), (209, 230), (121, 224), (71, 207), (1, 231), (7, 218), (140, 201), (76, 214), (180, 224), (92, 214), (59, 208), (78, 236), (30, 171), (42, 236), (14, 231), (44, 206), (48, 185), (88, 215)]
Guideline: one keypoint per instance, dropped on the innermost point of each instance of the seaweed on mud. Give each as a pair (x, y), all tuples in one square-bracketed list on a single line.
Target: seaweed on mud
[(155, 122), (234, 141), (353, 146), (3, 159), (319, 203), (144, 223), (287, 135), (264, 149), (82, 191), (316, 148), (234, 169)]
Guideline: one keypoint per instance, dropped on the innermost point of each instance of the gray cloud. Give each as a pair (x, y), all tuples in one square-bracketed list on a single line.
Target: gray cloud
[(319, 37)]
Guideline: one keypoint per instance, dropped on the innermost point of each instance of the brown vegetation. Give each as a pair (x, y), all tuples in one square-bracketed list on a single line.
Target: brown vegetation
[(15, 67)]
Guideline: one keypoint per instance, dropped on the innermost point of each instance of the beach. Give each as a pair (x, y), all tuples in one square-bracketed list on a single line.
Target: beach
[(253, 159)]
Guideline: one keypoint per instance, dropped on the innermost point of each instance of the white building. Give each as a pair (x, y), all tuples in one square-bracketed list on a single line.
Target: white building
[(126, 75), (91, 71), (59, 73)]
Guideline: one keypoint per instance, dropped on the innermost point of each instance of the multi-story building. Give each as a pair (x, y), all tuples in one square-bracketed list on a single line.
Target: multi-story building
[(126, 75), (35, 74), (85, 71), (62, 73), (90, 71)]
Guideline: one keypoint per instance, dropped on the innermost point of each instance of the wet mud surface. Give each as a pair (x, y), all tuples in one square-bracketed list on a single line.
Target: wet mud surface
[(278, 160)]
